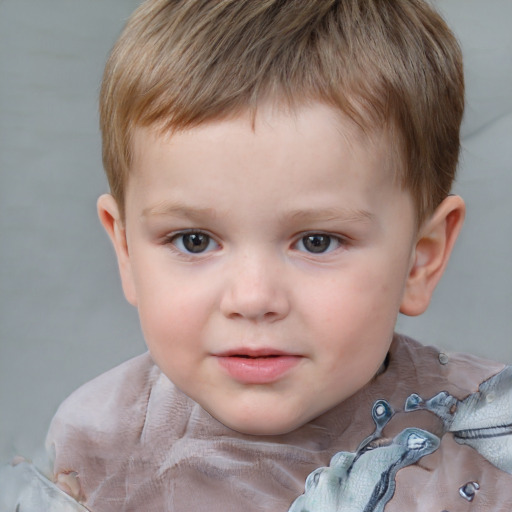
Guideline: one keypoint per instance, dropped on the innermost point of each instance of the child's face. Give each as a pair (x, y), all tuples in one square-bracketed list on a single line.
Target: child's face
[(268, 265)]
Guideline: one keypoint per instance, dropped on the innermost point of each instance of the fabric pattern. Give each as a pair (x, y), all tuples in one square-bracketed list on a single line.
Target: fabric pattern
[(418, 437), (365, 480)]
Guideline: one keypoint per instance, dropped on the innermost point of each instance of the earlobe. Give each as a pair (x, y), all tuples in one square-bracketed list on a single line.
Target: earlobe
[(108, 212), (434, 245)]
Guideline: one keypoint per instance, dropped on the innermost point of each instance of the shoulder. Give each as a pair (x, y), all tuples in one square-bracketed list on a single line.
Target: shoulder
[(96, 421), (436, 370), (100, 404), (472, 397), (105, 417), (116, 428)]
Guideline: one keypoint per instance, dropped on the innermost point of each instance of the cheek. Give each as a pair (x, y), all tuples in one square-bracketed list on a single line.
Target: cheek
[(172, 312), (355, 308), (172, 333), (354, 294)]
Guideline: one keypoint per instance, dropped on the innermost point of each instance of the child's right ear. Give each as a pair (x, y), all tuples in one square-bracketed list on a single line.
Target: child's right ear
[(108, 212)]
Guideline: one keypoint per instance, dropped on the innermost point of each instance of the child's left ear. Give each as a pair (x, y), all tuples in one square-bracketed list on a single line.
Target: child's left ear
[(434, 245)]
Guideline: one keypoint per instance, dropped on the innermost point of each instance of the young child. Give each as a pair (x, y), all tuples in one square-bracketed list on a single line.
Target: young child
[(280, 177)]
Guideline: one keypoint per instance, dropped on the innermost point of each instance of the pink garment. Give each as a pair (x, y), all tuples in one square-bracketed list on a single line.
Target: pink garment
[(137, 443)]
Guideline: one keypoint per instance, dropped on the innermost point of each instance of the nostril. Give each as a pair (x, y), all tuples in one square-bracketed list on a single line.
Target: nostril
[(255, 305)]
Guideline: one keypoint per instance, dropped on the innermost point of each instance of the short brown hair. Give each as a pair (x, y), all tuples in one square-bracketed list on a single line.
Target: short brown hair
[(384, 63)]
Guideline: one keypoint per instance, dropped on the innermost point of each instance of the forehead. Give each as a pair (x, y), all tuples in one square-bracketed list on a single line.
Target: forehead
[(312, 131)]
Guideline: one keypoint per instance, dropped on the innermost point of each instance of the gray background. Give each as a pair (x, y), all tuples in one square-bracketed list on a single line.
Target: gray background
[(63, 319)]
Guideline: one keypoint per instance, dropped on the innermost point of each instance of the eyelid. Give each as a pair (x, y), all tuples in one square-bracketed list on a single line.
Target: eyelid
[(170, 239), (340, 239)]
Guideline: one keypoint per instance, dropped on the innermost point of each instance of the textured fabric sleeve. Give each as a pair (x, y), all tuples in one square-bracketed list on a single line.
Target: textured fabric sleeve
[(91, 434)]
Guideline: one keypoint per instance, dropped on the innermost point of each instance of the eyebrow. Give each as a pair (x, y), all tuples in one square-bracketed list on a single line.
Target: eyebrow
[(178, 210), (331, 214)]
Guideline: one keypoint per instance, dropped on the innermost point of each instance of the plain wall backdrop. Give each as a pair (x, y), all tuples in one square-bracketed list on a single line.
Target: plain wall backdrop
[(63, 318)]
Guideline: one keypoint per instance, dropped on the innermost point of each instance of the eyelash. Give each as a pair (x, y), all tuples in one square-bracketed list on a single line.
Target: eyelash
[(308, 238), (177, 240), (326, 243)]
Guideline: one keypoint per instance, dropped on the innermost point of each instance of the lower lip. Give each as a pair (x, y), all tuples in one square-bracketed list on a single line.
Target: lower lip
[(258, 370)]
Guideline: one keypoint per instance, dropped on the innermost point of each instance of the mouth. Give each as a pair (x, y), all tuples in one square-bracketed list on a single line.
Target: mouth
[(260, 366), (249, 353)]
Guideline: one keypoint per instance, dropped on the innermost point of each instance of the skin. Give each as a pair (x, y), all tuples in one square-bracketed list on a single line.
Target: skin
[(259, 286)]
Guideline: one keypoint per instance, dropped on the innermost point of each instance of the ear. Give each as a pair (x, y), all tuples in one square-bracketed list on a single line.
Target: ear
[(434, 245), (108, 212)]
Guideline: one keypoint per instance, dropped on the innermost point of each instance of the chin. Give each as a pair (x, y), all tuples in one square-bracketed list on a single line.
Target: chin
[(260, 426), (263, 430)]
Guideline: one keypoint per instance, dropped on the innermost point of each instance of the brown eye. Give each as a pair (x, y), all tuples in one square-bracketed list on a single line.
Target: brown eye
[(318, 243), (194, 243)]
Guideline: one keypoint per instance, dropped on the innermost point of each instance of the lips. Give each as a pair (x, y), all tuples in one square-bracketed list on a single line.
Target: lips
[(257, 366)]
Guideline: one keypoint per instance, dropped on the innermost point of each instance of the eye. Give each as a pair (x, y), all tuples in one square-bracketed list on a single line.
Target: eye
[(195, 242), (318, 243)]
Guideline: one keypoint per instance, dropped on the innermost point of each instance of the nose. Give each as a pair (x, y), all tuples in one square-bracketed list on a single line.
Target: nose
[(255, 290)]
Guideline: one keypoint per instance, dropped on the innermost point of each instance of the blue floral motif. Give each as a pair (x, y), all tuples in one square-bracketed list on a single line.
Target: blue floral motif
[(364, 481), (483, 420)]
